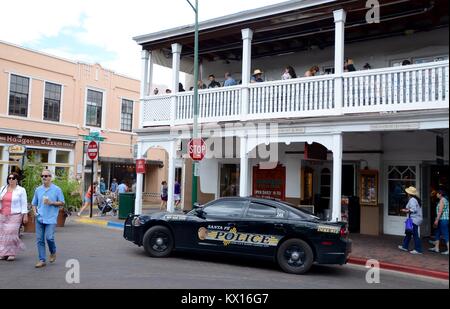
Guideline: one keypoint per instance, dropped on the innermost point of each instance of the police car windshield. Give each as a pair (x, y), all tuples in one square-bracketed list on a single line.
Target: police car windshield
[(300, 212)]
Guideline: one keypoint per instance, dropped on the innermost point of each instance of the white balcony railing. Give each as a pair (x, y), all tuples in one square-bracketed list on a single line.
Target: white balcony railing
[(414, 87)]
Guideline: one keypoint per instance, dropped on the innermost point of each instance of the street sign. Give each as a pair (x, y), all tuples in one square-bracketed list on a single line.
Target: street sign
[(92, 150), (197, 149), (93, 136), (140, 166)]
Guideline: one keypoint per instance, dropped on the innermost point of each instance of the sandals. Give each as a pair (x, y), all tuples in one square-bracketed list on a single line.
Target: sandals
[(433, 250), (3, 258), (11, 258)]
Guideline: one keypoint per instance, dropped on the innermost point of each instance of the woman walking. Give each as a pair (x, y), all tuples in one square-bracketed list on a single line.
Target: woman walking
[(164, 195), (13, 212), (441, 222), (414, 211)]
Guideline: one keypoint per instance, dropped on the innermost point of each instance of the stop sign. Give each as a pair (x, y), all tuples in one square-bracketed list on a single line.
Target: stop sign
[(197, 149), (92, 150)]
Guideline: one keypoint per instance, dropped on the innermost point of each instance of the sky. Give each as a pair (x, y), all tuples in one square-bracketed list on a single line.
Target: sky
[(102, 31)]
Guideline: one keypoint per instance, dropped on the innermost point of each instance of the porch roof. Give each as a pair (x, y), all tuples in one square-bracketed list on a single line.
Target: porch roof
[(294, 26)]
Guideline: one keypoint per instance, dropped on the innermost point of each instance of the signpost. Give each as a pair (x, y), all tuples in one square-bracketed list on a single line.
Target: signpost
[(92, 152)]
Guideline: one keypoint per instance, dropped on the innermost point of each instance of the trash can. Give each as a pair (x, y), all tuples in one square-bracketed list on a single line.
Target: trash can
[(126, 204)]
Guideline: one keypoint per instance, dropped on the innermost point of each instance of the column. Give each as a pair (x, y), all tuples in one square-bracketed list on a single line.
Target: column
[(176, 60), (52, 160), (145, 56), (4, 167), (337, 177), (244, 168), (139, 183), (339, 54), (171, 177), (247, 37)]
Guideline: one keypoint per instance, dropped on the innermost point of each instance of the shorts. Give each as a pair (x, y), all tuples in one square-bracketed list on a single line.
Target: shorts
[(164, 198), (88, 199), (177, 197), (442, 230)]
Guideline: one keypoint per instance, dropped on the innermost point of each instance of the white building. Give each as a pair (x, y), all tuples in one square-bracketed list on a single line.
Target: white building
[(385, 128)]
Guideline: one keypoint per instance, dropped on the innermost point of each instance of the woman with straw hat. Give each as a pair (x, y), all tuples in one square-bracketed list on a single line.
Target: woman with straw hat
[(414, 210)]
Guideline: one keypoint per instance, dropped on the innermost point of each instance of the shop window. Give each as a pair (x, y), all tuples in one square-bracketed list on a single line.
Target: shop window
[(18, 96), (62, 157), (400, 178), (61, 170), (52, 102), (39, 155), (229, 180), (325, 183)]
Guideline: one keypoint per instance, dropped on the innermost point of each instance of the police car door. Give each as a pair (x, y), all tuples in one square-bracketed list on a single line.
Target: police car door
[(218, 229)]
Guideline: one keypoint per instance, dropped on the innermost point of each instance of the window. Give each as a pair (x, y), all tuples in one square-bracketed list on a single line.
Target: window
[(263, 211), (52, 102), (94, 108), (18, 96), (126, 122), (399, 178), (231, 209)]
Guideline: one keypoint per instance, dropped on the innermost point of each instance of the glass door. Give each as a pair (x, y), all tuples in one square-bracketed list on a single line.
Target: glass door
[(229, 180)]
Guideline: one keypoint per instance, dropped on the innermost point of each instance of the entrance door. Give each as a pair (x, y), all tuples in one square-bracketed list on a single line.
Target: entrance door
[(399, 177), (229, 180)]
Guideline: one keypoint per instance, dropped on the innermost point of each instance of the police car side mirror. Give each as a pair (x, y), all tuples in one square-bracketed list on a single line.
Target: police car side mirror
[(200, 212), (196, 206)]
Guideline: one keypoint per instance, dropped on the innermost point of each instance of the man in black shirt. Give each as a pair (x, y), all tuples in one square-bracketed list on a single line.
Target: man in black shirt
[(214, 83)]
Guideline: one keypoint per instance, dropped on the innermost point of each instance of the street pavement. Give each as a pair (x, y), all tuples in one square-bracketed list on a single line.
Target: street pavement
[(108, 261)]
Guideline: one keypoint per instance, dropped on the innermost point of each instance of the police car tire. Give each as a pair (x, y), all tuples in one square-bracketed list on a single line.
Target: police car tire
[(147, 237), (308, 254)]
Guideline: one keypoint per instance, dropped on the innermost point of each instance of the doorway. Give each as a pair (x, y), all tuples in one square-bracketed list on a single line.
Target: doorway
[(229, 180)]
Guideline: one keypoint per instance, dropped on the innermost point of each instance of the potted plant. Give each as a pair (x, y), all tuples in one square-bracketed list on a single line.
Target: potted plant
[(71, 191), (31, 180)]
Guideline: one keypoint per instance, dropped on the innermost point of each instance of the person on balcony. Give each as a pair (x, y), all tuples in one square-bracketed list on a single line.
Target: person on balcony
[(257, 76), (156, 91), (213, 83), (201, 85), (181, 87), (312, 71), (406, 62), (168, 91), (229, 80), (289, 73), (349, 66)]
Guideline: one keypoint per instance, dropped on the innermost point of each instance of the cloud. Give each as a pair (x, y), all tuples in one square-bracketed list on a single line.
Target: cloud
[(106, 25)]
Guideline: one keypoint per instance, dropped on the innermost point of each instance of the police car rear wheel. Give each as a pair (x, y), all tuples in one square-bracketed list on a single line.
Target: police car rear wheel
[(295, 256), (158, 242)]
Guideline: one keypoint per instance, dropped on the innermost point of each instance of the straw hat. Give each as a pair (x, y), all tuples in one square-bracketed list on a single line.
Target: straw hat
[(257, 71), (411, 191)]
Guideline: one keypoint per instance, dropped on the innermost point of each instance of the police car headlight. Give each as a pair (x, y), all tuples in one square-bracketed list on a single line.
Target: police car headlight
[(136, 222)]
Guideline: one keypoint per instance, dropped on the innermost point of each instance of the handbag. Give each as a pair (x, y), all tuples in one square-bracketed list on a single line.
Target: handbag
[(409, 225)]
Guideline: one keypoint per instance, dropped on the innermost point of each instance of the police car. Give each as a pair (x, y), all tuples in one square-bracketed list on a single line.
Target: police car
[(276, 230)]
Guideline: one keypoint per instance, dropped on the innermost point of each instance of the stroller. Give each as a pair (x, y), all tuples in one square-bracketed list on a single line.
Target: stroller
[(106, 205)]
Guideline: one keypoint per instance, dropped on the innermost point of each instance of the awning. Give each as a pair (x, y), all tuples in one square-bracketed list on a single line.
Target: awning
[(129, 161)]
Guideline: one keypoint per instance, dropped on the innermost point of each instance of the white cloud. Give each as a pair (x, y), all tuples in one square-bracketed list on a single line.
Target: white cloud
[(107, 24)]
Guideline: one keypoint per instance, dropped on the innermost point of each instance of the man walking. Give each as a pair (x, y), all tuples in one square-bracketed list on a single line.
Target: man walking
[(47, 200)]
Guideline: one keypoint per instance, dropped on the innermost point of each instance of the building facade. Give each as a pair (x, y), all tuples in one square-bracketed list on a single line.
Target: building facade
[(48, 107), (344, 143)]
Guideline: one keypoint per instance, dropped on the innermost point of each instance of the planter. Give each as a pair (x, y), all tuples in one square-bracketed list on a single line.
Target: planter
[(30, 227)]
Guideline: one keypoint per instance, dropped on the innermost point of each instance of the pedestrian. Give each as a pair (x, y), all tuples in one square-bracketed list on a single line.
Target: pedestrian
[(212, 82), (201, 85), (414, 211), (441, 222), (181, 87), (47, 200), (122, 188), (177, 194), (349, 66), (164, 195), (156, 91), (312, 71), (88, 196), (113, 188), (13, 212), (102, 186), (257, 76), (289, 73), (229, 80)]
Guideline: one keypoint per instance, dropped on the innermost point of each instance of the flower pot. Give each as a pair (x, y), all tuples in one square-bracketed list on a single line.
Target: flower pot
[(61, 218), (30, 227)]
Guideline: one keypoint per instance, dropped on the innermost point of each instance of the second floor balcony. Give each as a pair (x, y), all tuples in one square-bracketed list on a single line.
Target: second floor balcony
[(394, 89)]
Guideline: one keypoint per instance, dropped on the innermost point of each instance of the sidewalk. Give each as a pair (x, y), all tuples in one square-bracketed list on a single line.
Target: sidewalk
[(380, 248)]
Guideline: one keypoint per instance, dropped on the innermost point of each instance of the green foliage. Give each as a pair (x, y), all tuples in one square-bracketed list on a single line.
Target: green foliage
[(32, 176), (71, 190)]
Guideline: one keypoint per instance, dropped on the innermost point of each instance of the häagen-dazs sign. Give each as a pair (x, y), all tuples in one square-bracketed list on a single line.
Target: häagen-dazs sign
[(35, 141)]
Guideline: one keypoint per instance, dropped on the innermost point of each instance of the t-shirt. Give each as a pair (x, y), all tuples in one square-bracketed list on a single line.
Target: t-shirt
[(47, 214), (122, 188), (416, 211)]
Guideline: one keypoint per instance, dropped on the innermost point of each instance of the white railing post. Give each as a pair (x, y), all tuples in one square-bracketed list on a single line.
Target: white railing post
[(337, 177), (176, 60), (339, 20), (244, 168), (247, 37), (145, 56)]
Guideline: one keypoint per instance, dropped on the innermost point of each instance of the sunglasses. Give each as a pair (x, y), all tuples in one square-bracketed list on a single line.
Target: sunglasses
[(12, 178), (46, 176)]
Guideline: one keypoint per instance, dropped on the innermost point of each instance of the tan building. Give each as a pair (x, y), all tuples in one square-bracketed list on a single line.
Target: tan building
[(48, 105)]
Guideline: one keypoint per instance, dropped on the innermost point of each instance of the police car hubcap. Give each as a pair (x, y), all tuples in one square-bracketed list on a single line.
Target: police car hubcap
[(295, 256), (159, 241)]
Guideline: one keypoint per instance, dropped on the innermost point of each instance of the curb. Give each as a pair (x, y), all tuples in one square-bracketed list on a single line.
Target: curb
[(402, 268), (107, 224)]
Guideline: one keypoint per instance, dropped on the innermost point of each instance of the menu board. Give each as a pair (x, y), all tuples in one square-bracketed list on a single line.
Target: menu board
[(270, 183)]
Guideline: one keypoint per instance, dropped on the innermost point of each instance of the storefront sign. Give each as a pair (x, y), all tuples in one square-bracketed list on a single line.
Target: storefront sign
[(16, 150), (395, 127), (270, 184), (35, 141)]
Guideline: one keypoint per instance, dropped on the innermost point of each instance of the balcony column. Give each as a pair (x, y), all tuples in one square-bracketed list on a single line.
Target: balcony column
[(176, 60), (4, 156), (339, 54), (145, 60), (244, 168), (139, 183), (337, 177), (247, 37), (171, 178)]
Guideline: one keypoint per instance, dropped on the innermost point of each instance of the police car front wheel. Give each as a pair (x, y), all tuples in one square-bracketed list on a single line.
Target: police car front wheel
[(158, 242), (295, 256)]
